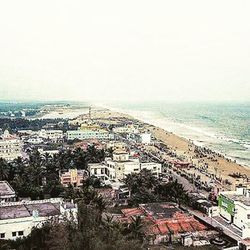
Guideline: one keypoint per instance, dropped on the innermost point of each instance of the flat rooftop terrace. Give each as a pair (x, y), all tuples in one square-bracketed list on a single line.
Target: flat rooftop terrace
[(26, 210)]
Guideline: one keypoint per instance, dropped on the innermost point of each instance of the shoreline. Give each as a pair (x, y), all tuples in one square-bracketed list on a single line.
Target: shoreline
[(207, 161), (197, 142)]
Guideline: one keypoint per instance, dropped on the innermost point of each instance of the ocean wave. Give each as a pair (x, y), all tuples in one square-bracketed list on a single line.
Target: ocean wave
[(199, 135)]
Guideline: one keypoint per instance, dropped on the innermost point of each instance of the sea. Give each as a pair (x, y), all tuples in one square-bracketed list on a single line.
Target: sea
[(222, 127)]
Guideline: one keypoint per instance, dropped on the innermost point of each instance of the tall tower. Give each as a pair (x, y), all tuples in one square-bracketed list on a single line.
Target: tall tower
[(90, 119)]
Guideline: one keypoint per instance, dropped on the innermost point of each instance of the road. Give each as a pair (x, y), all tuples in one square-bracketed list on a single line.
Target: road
[(228, 229)]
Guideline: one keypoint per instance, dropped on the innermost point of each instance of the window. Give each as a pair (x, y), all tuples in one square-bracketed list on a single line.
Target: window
[(2, 235), (20, 233), (13, 234)]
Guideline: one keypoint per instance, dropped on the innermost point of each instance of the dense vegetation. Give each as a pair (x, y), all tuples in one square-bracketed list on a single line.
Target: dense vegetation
[(37, 124), (146, 188), (38, 176)]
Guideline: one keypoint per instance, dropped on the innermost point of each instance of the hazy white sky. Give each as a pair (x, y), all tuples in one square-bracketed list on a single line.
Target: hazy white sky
[(130, 50)]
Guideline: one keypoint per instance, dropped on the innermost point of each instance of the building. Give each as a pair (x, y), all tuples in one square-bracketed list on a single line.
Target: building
[(7, 193), (34, 140), (87, 131), (121, 165), (10, 147), (234, 207), (128, 129), (116, 145), (18, 218), (74, 177), (53, 135), (163, 222), (144, 138)]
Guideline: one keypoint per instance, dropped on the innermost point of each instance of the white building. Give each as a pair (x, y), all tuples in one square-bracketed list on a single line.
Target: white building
[(53, 135), (34, 140), (87, 134), (144, 138), (234, 206), (10, 146), (89, 131), (128, 129), (18, 218), (120, 166)]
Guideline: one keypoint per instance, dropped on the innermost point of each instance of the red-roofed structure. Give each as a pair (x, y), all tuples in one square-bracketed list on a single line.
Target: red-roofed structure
[(162, 220), (132, 212)]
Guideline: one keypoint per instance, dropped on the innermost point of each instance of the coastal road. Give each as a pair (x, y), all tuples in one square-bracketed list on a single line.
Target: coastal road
[(190, 187), (228, 230)]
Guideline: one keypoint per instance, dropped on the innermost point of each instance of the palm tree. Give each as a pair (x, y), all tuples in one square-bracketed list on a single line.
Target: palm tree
[(4, 169), (136, 228)]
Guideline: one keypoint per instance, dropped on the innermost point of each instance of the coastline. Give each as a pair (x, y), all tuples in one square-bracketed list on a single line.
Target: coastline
[(217, 164), (195, 138)]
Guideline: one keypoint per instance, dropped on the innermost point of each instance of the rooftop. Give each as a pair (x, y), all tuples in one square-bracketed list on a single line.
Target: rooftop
[(43, 208), (161, 210), (6, 189), (163, 218), (26, 210), (237, 197)]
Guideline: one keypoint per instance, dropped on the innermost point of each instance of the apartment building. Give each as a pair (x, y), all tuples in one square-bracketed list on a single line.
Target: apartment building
[(234, 207), (18, 218), (120, 165), (89, 131), (10, 146)]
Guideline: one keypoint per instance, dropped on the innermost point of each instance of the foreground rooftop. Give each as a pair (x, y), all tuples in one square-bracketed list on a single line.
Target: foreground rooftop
[(6, 189)]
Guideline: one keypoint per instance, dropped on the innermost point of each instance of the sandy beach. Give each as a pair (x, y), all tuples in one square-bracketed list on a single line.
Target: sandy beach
[(206, 161)]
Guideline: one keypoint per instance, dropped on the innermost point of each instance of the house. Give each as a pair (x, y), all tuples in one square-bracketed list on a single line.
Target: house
[(18, 218), (7, 193), (74, 177), (163, 222)]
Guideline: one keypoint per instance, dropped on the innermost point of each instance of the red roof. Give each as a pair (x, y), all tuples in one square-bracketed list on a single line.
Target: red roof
[(163, 228), (197, 226), (175, 227), (186, 226), (132, 212)]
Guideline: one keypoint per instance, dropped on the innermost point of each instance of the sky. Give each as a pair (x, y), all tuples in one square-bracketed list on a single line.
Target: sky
[(130, 50)]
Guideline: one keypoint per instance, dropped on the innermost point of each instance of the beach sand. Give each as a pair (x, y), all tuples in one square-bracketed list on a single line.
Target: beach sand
[(217, 164)]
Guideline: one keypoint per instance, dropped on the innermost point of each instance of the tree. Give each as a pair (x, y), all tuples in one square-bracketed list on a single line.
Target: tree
[(136, 228), (4, 169)]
